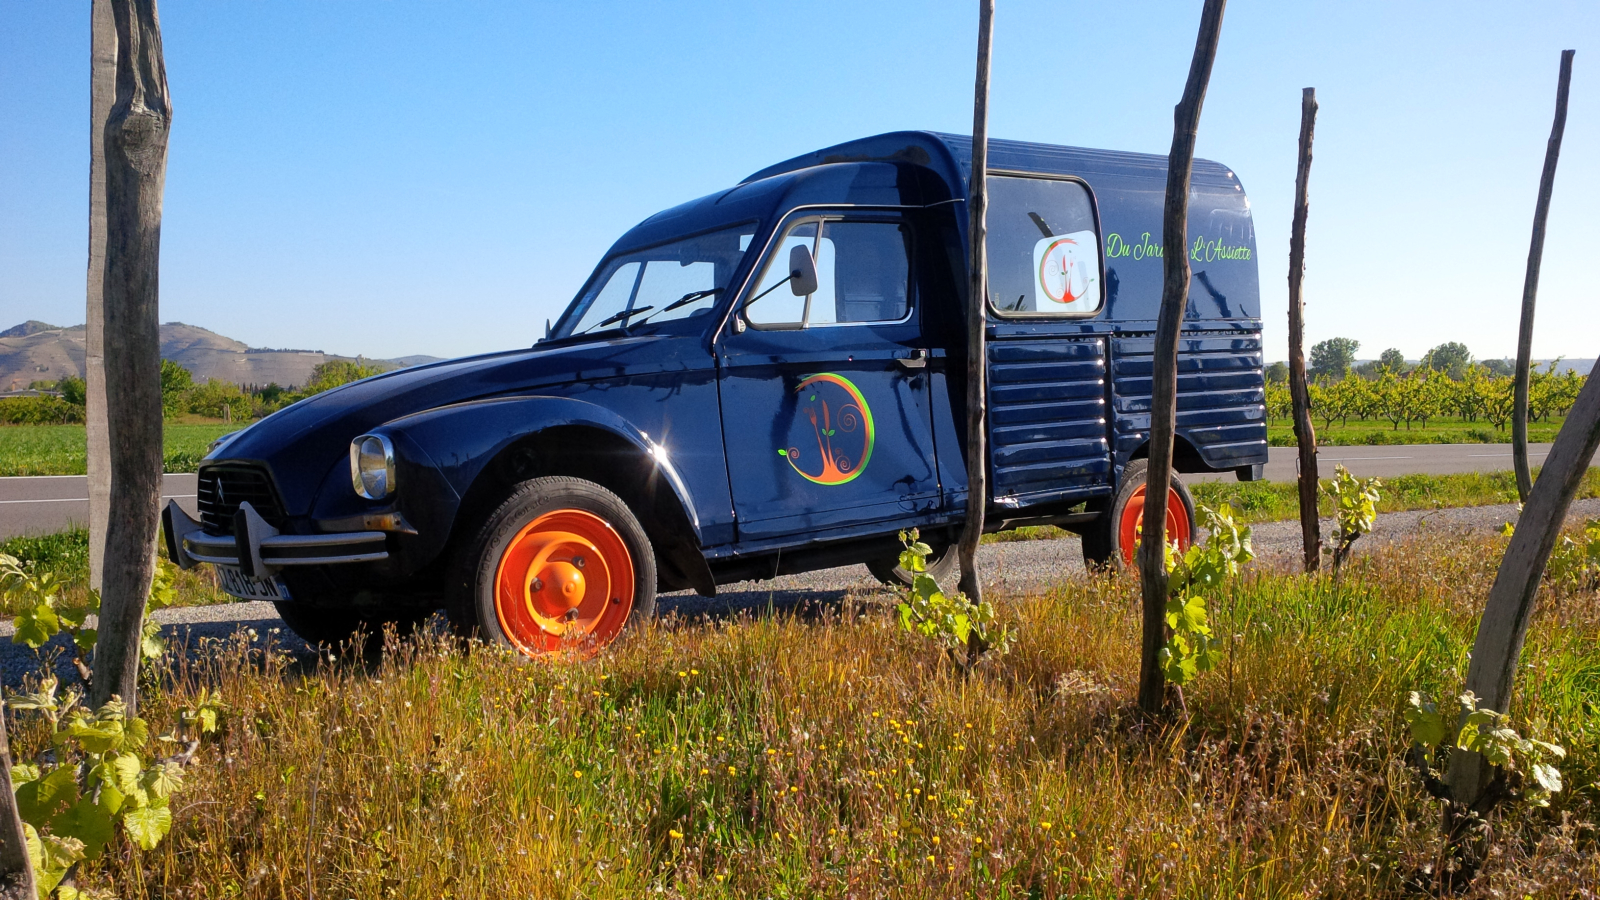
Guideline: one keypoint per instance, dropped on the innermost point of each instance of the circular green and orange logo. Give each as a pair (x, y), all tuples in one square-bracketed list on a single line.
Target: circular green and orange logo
[(836, 416)]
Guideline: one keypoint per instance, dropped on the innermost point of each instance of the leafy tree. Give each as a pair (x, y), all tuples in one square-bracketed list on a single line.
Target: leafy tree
[(1499, 368), (335, 372), (1393, 360), (214, 397), (1278, 373), (1331, 359), (73, 389), (1450, 358), (175, 384)]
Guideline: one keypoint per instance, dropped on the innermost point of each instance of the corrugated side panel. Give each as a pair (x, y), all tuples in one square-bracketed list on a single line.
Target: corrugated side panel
[(1221, 395), (1047, 416)]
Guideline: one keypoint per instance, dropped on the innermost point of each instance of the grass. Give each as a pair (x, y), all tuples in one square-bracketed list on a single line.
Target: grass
[(1278, 501), (1446, 430), (65, 555), (832, 755), (61, 449)]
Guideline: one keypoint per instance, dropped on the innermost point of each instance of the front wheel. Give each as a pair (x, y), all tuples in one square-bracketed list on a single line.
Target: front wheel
[(562, 564), (1114, 537)]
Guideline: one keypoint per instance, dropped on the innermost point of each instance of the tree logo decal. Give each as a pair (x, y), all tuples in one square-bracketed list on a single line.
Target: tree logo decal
[(840, 421), (1067, 271)]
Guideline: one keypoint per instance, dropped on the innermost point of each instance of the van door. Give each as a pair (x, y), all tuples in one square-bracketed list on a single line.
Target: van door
[(825, 410)]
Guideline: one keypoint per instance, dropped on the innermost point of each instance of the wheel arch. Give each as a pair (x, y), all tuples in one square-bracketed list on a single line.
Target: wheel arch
[(486, 448)]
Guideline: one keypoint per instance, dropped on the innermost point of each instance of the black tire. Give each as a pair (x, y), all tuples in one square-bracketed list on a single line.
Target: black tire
[(471, 605), (1102, 542), (943, 564), (334, 627)]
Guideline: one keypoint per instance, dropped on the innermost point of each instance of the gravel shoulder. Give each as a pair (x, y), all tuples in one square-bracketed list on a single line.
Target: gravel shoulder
[(1013, 567)]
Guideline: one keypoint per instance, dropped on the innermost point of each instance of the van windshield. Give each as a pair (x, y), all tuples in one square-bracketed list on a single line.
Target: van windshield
[(677, 280)]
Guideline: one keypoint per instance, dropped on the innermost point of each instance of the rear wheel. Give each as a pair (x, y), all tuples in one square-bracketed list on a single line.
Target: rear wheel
[(942, 564), (1112, 539), (562, 564)]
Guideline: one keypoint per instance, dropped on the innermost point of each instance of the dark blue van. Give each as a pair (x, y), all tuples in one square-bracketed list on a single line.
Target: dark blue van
[(766, 380)]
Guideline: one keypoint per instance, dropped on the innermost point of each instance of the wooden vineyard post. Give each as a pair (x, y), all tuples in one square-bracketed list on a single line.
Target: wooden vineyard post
[(136, 168), (1164, 382), (1305, 436), (1530, 285), (1504, 625), (102, 92), (977, 320)]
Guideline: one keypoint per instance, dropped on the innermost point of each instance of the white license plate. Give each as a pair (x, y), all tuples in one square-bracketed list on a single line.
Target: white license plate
[(249, 587)]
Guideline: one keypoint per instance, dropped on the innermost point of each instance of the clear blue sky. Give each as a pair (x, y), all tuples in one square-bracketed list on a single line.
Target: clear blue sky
[(392, 178)]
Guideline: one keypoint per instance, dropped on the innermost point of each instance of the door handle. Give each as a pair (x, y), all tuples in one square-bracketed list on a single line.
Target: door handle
[(917, 360)]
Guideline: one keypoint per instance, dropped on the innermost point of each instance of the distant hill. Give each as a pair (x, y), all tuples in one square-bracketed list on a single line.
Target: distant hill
[(37, 351)]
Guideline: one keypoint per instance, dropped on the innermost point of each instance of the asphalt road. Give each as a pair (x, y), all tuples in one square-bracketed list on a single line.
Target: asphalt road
[(1010, 567), (1385, 462), (51, 503)]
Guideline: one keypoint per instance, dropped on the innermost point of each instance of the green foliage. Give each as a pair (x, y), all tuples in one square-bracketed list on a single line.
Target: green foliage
[(94, 777), (218, 400), (1277, 373), (73, 389), (1526, 766), (41, 616), (335, 372), (952, 621), (1332, 358), (1451, 358), (41, 410), (1199, 576), (175, 384), (1355, 511), (1575, 562)]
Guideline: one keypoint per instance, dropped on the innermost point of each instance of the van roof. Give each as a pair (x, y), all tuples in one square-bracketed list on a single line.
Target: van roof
[(951, 156)]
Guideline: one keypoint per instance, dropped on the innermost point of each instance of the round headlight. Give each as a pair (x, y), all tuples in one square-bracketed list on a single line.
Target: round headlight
[(372, 466)]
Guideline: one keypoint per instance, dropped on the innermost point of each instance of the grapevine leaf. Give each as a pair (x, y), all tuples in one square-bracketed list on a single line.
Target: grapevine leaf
[(36, 625), (163, 780), (148, 826), (86, 638), (38, 801), (1547, 777), (87, 821), (1427, 725)]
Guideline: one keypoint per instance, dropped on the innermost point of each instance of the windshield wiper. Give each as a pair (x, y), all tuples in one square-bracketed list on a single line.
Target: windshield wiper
[(683, 301), (614, 318)]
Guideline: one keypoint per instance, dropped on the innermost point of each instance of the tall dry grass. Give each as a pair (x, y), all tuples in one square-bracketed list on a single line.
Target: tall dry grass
[(834, 756)]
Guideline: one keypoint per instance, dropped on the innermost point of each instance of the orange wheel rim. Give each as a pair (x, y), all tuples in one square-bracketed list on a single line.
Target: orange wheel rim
[(1178, 528), (564, 582)]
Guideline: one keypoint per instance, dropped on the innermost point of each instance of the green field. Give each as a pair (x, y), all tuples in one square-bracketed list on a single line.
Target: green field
[(61, 449), (1444, 430)]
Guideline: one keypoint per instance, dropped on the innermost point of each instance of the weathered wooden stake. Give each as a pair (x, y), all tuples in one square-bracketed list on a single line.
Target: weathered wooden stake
[(1498, 646), (977, 318), (1305, 436), (1164, 382), (136, 168), (16, 874), (1530, 285), (102, 92)]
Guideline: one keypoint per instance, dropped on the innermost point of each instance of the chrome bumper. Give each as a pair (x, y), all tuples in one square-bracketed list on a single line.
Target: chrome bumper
[(264, 550)]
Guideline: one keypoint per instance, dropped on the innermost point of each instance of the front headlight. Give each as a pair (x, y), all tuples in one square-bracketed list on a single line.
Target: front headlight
[(372, 466)]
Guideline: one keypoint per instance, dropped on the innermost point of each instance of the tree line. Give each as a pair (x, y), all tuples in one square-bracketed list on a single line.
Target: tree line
[(63, 400), (1447, 382)]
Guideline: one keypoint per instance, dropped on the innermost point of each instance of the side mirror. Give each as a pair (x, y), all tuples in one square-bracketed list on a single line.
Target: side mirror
[(802, 271)]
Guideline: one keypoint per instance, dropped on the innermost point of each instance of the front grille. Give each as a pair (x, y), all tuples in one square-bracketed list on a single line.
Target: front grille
[(222, 488)]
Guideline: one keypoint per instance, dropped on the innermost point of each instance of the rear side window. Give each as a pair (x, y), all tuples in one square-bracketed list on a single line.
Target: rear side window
[(863, 275), (1044, 253)]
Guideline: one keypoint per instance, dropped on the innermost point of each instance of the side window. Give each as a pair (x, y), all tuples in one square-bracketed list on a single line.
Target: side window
[(1044, 253), (863, 275)]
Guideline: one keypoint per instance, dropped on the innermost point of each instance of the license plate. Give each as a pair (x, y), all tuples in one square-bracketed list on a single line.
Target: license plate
[(249, 587)]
